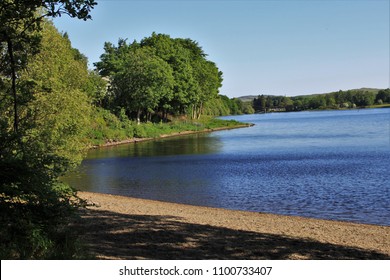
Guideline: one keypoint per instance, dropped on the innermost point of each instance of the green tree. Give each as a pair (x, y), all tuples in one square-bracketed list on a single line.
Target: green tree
[(19, 21), (113, 57), (180, 54), (363, 98), (39, 128), (141, 82), (383, 95), (196, 80), (59, 112), (260, 103), (209, 79), (287, 103), (96, 88), (247, 108)]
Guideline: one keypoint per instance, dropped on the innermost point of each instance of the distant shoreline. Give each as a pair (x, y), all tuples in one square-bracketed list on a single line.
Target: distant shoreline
[(118, 227), (175, 134)]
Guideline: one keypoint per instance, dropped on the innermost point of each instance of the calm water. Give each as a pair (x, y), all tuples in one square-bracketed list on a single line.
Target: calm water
[(328, 164)]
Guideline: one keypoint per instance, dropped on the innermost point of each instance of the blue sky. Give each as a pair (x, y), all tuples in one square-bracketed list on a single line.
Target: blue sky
[(262, 47)]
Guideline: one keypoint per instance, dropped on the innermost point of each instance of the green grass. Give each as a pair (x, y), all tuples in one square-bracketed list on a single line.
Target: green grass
[(106, 127), (213, 123), (379, 106)]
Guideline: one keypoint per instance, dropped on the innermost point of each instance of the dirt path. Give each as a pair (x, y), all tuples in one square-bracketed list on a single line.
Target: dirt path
[(128, 228)]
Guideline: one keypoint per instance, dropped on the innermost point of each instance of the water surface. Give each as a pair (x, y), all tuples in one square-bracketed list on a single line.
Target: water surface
[(325, 164)]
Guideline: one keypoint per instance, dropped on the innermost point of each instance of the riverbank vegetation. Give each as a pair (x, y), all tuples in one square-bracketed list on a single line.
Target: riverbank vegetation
[(108, 128), (349, 99)]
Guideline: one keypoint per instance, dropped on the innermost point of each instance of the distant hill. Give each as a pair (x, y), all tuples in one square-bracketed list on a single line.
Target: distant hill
[(247, 98), (374, 90)]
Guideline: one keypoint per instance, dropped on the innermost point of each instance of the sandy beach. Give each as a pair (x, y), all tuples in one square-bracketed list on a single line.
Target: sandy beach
[(117, 227)]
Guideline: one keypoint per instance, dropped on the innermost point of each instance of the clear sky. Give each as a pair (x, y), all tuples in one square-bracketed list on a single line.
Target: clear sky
[(262, 47)]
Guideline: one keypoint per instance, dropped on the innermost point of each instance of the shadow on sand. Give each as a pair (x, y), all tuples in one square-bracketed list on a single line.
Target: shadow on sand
[(111, 235)]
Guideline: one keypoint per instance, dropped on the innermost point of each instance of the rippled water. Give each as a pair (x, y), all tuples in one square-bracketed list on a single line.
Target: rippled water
[(326, 164)]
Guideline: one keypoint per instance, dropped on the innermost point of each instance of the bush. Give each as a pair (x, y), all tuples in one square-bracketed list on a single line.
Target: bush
[(35, 213)]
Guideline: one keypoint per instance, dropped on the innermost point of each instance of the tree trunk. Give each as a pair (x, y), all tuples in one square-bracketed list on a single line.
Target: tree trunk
[(13, 86), (149, 116), (139, 116), (200, 110), (165, 115), (193, 113)]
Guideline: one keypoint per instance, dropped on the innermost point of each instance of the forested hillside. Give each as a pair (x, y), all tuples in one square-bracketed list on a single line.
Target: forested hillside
[(349, 99)]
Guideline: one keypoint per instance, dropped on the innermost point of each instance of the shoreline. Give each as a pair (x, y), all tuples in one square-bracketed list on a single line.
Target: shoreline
[(175, 134), (146, 223)]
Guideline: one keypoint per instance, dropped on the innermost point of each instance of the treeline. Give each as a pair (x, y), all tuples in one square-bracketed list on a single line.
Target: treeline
[(359, 98)]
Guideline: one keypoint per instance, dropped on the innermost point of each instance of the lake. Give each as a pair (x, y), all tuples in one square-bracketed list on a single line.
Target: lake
[(323, 164)]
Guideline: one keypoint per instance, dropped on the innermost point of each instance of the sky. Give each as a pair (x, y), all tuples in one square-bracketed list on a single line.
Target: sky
[(289, 48)]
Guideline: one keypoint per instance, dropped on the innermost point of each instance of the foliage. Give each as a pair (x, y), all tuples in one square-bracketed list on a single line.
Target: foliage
[(42, 109), (59, 112), (383, 96), (159, 76), (143, 80), (19, 22), (334, 100), (223, 106), (107, 127)]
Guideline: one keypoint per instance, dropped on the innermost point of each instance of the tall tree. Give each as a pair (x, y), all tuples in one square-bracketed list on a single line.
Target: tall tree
[(383, 95), (19, 22), (195, 79), (142, 80), (40, 126), (57, 115)]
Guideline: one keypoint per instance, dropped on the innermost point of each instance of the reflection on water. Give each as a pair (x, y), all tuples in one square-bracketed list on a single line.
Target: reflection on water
[(183, 145), (330, 164)]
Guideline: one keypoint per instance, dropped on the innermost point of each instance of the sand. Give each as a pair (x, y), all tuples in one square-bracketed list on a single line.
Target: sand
[(117, 227)]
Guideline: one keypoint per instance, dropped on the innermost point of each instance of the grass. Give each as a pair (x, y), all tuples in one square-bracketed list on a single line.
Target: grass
[(379, 106), (106, 127)]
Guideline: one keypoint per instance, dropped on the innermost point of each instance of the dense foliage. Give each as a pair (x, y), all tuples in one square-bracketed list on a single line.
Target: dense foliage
[(358, 98), (158, 76), (42, 119)]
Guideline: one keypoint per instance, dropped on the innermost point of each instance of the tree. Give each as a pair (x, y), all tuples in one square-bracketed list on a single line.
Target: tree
[(96, 88), (58, 113), (19, 22), (384, 95), (142, 81), (180, 55), (40, 127), (196, 80), (363, 98), (260, 103), (287, 103), (248, 108), (209, 80)]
